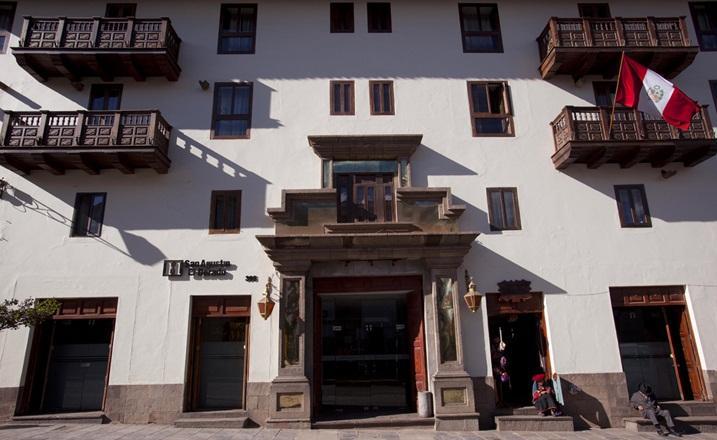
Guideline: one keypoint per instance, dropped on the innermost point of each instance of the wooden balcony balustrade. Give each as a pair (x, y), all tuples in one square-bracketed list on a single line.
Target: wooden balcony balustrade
[(583, 135), (104, 47), (584, 46), (85, 140)]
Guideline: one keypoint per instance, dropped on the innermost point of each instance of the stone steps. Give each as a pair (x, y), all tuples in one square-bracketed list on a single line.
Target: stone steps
[(213, 419), (534, 423), (686, 424), (91, 417), (684, 408), (398, 421)]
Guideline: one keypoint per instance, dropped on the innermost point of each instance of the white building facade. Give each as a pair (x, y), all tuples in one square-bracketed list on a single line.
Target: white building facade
[(367, 158)]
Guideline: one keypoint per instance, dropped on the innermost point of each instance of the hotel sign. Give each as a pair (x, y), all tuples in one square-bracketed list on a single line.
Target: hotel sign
[(198, 269)]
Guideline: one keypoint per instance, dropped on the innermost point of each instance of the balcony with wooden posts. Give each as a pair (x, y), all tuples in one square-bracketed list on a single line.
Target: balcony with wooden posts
[(85, 140), (593, 46), (583, 135), (106, 47)]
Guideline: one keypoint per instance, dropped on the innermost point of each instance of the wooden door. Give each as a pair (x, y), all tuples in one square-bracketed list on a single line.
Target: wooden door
[(691, 372)]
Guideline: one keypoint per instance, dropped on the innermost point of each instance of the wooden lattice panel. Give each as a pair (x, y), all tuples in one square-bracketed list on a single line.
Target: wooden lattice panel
[(636, 33), (42, 34), (572, 33), (657, 130), (134, 129), (113, 34), (78, 34), (23, 131), (98, 130), (668, 33), (604, 33), (60, 131), (147, 34)]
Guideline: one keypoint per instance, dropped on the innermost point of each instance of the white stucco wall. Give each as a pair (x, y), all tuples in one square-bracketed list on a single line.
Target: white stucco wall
[(571, 246)]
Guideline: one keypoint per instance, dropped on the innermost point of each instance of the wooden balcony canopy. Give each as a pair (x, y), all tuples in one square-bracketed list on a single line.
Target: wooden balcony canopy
[(583, 135), (104, 47), (89, 141), (585, 46)]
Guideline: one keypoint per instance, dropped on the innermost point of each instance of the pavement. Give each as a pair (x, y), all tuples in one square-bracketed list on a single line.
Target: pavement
[(167, 432)]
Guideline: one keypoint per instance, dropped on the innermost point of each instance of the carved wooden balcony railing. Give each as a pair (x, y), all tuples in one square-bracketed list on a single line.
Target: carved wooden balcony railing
[(85, 140), (583, 135), (104, 47), (583, 46)]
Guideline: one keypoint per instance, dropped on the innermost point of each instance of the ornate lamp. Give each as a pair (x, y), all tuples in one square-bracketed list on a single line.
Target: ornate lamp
[(266, 304), (472, 296), (3, 186)]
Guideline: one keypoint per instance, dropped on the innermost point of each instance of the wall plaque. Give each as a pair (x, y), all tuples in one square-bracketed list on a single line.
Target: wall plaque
[(198, 269)]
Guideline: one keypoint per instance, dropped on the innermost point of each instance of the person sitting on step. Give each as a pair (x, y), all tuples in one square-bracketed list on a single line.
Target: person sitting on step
[(543, 397), (644, 401)]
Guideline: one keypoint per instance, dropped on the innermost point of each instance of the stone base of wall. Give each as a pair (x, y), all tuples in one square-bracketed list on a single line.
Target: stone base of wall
[(144, 403), (711, 384), (8, 401), (257, 401), (484, 390)]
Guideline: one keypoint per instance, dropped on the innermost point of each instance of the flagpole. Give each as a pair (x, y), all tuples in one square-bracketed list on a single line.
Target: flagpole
[(614, 98)]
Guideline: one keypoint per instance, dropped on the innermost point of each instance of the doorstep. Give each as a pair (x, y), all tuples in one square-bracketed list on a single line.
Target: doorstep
[(237, 418), (523, 423), (392, 421), (90, 417), (689, 424)]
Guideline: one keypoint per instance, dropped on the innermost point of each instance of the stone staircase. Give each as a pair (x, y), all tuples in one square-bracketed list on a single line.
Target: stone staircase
[(91, 417), (213, 419), (527, 419), (387, 421), (690, 417)]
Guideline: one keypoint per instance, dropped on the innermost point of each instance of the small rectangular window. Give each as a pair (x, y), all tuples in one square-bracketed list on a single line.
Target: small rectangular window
[(231, 117), (480, 27), (379, 17), (632, 206), (713, 87), (704, 16), (342, 17), (381, 97), (89, 214), (503, 212), (342, 97), (225, 214), (121, 10), (490, 108), (7, 16), (105, 97), (237, 28), (604, 93), (594, 10)]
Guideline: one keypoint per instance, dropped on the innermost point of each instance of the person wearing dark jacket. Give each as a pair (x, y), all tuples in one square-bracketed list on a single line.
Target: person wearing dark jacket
[(644, 401)]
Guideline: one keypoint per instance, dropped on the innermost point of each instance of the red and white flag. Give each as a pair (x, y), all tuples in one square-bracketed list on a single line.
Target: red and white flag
[(675, 107)]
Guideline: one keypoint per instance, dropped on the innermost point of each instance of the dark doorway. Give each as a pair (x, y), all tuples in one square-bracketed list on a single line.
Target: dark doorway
[(523, 355)]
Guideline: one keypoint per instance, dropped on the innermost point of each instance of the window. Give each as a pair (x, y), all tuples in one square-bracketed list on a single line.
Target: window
[(225, 214), (120, 10), (713, 87), (231, 117), (89, 214), (105, 97), (7, 14), (381, 97), (594, 10), (503, 212), (605, 93), (237, 28), (342, 97), (480, 27), (704, 16), (342, 17), (490, 109), (379, 17), (632, 206)]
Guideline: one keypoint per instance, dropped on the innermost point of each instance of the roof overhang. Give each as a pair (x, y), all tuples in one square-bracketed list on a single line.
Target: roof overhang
[(368, 147)]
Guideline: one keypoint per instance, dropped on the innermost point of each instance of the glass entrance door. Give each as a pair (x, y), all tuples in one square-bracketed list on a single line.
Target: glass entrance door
[(365, 354)]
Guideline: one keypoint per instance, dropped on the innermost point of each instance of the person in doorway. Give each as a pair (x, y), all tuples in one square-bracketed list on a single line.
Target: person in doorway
[(644, 401), (543, 397)]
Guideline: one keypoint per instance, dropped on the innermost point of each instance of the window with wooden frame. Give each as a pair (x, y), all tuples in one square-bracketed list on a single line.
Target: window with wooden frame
[(379, 17), (704, 16), (490, 108), (7, 16), (237, 28), (231, 115), (381, 96), (342, 17), (503, 211), (342, 97), (105, 97), (605, 93), (225, 215), (121, 10), (480, 27), (632, 206), (89, 214), (594, 10), (713, 88)]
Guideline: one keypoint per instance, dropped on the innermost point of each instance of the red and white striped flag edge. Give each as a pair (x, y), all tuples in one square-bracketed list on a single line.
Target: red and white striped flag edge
[(675, 107)]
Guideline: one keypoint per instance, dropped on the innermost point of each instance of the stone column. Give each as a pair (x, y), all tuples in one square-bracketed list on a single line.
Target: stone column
[(290, 392), (454, 401)]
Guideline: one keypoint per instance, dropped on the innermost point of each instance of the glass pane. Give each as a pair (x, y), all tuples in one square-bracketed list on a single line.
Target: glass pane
[(325, 173), (376, 91), (219, 212), (481, 42), (480, 98), (495, 95), (231, 127), (241, 100), (2, 41), (510, 214), (231, 212), (6, 16), (113, 102), (370, 199), (247, 19), (470, 19), (222, 351), (290, 299), (709, 41), (491, 125), (224, 100), (387, 98), (488, 18), (404, 173), (365, 166), (82, 214), (496, 208), (230, 19), (446, 322), (337, 98), (640, 214), (97, 209), (623, 198), (347, 98)]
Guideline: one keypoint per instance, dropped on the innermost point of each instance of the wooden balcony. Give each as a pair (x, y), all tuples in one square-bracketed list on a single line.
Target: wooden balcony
[(106, 47), (593, 46), (89, 141), (583, 135)]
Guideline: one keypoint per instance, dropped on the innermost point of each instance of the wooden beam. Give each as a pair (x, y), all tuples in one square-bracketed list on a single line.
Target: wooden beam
[(14, 165), (86, 164), (585, 64), (24, 61), (699, 155), (99, 65), (131, 66), (635, 156), (64, 67), (47, 163), (599, 157), (120, 162), (670, 156)]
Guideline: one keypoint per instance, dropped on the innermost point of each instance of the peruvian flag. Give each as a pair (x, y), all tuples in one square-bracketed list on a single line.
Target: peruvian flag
[(675, 107)]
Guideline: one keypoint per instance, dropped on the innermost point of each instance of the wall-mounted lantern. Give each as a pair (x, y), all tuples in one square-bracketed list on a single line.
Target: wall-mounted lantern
[(204, 84), (266, 304), (472, 296), (3, 187)]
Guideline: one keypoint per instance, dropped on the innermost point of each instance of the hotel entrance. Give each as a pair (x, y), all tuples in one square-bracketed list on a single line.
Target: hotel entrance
[(369, 346)]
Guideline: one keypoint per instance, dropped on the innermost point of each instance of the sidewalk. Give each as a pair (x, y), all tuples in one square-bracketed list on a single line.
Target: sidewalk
[(157, 432)]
